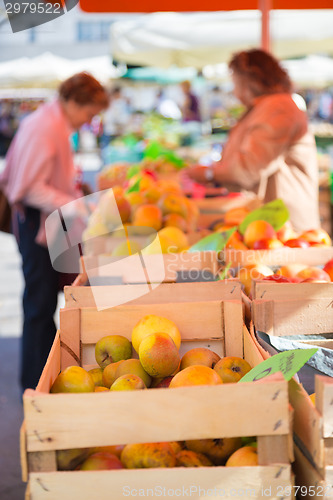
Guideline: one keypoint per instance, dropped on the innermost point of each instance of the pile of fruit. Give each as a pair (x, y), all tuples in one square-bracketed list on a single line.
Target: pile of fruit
[(159, 205), (156, 340), (231, 452)]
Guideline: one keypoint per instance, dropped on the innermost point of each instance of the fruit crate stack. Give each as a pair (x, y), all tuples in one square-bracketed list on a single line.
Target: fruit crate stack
[(208, 315), (302, 310)]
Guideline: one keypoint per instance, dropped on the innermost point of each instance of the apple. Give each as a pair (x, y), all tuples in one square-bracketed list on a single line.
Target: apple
[(73, 379), (97, 375), (199, 356), (195, 375), (258, 230), (217, 450), (297, 243), (232, 368), (290, 270), (162, 383), (128, 383), (286, 232), (102, 460), (111, 349), (267, 244), (243, 457), (110, 373), (328, 268), (317, 236), (313, 274)]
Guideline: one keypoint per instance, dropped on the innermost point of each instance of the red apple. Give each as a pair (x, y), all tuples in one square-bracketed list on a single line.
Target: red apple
[(328, 268), (317, 236), (314, 274), (297, 243), (286, 232), (278, 278), (102, 460), (267, 244)]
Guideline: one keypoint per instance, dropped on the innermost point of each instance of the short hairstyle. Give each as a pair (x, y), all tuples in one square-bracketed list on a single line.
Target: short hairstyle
[(84, 89), (261, 72)]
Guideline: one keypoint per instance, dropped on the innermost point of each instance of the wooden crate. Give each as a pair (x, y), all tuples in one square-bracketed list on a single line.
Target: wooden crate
[(303, 309), (139, 268), (63, 421), (312, 256)]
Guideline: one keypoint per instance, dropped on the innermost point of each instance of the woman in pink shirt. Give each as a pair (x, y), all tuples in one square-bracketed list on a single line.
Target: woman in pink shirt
[(39, 177)]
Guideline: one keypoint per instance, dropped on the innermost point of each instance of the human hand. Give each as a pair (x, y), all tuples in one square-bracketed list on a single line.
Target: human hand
[(197, 173)]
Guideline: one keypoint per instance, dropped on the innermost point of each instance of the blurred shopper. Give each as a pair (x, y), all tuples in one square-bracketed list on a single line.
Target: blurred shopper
[(39, 177), (116, 117), (191, 107), (270, 150)]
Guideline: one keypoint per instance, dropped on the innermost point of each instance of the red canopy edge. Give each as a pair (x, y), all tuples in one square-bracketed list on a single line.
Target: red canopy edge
[(196, 5)]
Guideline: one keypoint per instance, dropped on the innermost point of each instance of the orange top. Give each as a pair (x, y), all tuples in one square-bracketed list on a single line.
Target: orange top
[(196, 5)]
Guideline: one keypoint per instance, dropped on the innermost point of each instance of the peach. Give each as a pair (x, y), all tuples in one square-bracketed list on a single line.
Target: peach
[(148, 215), (217, 450), (124, 208), (173, 204), (189, 458), (97, 375), (195, 375), (109, 373), (235, 242), (199, 356), (314, 274), (147, 455), (133, 367), (243, 457), (258, 230), (175, 220), (231, 368), (328, 268), (128, 383), (235, 216), (102, 461), (291, 270), (151, 323), (176, 236), (115, 449), (159, 355), (267, 244), (252, 272), (317, 236), (135, 199), (73, 379)]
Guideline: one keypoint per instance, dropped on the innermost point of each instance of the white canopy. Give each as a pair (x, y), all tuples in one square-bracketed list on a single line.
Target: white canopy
[(313, 70), (48, 69), (197, 39)]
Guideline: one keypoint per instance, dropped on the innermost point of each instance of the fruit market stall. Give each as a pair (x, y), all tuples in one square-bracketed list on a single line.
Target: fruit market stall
[(140, 420)]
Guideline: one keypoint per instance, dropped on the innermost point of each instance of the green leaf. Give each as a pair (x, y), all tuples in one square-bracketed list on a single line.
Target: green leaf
[(214, 242), (275, 213), (136, 186), (133, 170)]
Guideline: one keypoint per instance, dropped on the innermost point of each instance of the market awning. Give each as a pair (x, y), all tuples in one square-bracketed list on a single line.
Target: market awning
[(198, 39)]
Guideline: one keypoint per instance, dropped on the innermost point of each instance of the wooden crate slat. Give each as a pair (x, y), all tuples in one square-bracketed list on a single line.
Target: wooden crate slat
[(233, 329), (307, 475), (201, 320), (52, 367), (324, 403), (236, 482), (83, 296), (283, 256), (273, 450), (294, 317), (69, 342), (42, 461), (155, 409), (284, 291), (308, 423), (23, 453)]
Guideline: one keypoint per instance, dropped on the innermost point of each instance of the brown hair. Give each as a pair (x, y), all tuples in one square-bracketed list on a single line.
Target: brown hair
[(83, 88), (261, 72)]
